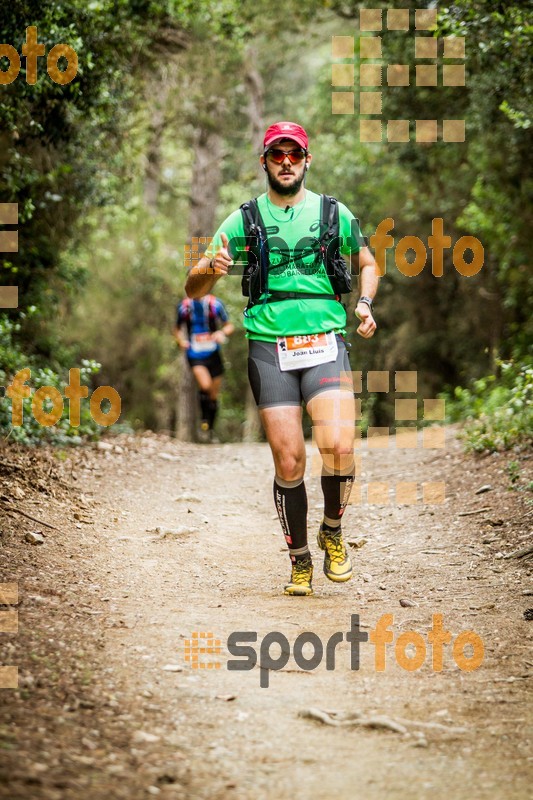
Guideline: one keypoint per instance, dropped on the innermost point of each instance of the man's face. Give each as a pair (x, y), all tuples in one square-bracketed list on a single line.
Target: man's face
[(285, 178)]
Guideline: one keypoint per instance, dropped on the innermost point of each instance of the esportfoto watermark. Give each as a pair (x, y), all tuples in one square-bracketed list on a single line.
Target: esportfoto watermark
[(409, 652), (418, 423), (440, 62), (32, 50), (74, 391), (9, 243), (307, 257)]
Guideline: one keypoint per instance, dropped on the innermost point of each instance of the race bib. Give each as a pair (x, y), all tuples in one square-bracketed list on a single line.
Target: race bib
[(295, 352), (203, 343)]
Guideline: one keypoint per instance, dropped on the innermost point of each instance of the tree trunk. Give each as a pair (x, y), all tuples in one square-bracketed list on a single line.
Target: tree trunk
[(252, 429), (206, 180), (187, 411), (205, 186), (152, 174), (256, 102)]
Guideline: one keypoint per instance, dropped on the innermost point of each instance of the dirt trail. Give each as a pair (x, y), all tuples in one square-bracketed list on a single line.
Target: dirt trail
[(136, 730)]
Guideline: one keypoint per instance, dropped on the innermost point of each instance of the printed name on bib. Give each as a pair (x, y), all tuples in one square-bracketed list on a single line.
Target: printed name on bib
[(306, 350)]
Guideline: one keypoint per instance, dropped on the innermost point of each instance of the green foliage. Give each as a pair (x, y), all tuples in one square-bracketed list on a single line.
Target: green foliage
[(125, 316), (59, 144), (497, 410), (513, 471), (498, 118), (12, 359), (74, 158), (69, 156), (518, 482)]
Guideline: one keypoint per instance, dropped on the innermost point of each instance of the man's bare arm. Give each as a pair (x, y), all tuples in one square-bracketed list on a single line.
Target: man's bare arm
[(181, 337), (201, 279), (203, 276), (368, 286), (226, 330)]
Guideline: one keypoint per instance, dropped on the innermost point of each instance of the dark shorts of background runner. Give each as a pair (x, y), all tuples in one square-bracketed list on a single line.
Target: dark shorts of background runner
[(272, 387), (213, 362)]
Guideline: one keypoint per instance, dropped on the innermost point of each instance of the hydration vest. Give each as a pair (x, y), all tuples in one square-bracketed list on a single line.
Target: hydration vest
[(209, 310), (255, 275)]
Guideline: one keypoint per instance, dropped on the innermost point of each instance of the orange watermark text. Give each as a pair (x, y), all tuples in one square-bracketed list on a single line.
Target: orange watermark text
[(382, 241), (408, 650), (31, 51), (47, 402)]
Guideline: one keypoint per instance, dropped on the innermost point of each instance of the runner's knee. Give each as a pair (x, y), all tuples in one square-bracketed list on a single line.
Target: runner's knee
[(338, 459), (290, 466)]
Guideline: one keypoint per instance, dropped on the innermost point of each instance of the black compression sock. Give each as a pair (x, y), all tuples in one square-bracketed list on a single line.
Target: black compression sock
[(290, 498), (204, 405), (330, 528), (301, 554), (336, 489), (213, 408)]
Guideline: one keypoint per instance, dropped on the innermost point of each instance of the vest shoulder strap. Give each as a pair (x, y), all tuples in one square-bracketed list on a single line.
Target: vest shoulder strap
[(329, 218), (255, 275)]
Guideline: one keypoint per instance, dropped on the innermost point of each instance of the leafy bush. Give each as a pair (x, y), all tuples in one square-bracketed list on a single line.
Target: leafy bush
[(12, 359), (497, 410)]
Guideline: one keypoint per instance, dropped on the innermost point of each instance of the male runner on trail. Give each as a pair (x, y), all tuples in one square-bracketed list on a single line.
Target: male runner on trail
[(276, 326), (201, 327)]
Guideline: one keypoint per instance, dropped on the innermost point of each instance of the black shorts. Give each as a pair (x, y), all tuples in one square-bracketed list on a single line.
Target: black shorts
[(213, 362), (272, 387)]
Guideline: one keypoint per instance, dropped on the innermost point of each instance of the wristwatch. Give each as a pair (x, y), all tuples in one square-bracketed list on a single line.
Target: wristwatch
[(368, 301)]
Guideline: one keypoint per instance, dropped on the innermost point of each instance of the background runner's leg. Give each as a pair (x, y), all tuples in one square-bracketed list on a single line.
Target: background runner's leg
[(212, 412), (216, 384), (204, 406), (204, 381), (202, 378)]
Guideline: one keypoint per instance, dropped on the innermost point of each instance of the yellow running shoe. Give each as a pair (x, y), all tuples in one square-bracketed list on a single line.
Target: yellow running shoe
[(337, 564), (301, 577), (204, 434)]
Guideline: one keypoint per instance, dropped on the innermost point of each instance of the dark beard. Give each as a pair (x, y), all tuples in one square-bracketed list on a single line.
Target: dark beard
[(289, 190)]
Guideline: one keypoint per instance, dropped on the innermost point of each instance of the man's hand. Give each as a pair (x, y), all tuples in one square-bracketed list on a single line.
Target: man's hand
[(181, 339), (219, 337), (368, 325), (222, 261)]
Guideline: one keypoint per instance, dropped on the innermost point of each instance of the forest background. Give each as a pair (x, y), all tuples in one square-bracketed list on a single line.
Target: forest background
[(157, 139)]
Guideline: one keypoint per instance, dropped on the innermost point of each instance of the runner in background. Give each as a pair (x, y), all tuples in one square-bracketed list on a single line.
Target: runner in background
[(202, 325)]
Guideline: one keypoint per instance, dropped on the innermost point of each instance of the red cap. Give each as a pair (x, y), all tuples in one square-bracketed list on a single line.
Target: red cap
[(285, 130)]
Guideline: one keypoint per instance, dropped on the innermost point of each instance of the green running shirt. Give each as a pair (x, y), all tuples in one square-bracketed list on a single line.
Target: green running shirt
[(293, 244)]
